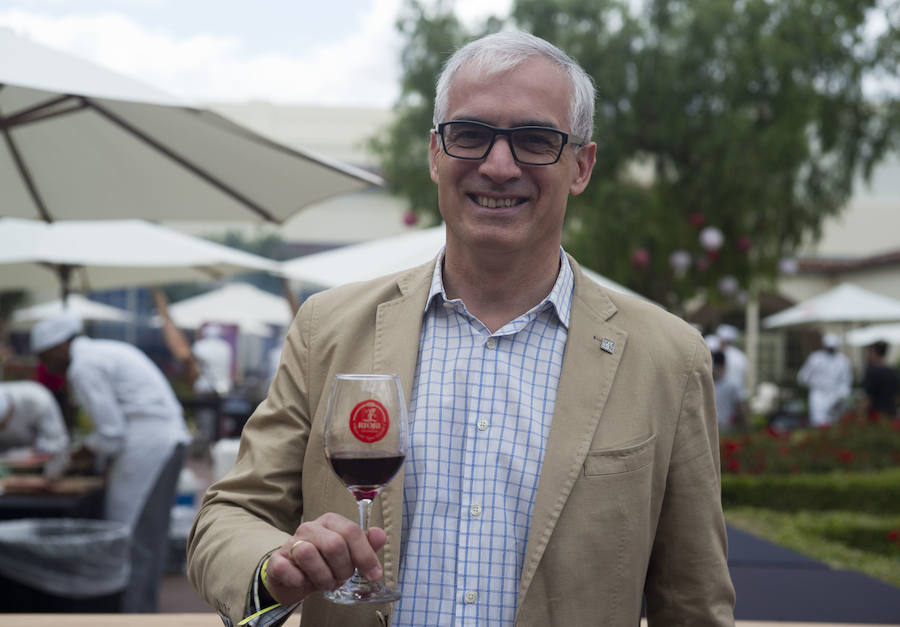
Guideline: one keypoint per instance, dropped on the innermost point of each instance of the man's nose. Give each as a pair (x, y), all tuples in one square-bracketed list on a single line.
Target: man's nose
[(499, 164)]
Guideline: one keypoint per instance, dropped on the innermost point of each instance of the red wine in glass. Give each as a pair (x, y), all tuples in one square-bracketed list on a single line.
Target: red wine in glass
[(365, 473)]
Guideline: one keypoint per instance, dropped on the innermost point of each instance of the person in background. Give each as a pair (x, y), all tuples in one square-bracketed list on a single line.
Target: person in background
[(139, 438), (735, 359), (731, 406), (214, 359), (563, 464), (828, 375), (30, 417), (880, 383)]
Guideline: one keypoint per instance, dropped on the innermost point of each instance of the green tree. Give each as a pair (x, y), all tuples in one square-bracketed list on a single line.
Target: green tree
[(749, 116)]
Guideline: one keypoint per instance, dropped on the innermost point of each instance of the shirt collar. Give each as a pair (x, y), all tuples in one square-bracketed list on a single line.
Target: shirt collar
[(560, 297)]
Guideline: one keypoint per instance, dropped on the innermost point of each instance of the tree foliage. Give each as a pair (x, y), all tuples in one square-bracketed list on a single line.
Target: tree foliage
[(750, 116)]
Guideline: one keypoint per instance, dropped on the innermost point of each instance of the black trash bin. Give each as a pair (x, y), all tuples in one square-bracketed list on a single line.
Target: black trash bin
[(63, 565)]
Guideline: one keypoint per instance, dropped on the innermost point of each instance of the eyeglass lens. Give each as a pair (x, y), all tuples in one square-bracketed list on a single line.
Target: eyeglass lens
[(536, 146)]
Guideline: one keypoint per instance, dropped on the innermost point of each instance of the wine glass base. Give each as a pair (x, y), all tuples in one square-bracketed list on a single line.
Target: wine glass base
[(367, 592)]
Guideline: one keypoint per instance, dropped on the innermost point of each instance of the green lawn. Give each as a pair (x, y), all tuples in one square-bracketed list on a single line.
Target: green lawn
[(844, 540)]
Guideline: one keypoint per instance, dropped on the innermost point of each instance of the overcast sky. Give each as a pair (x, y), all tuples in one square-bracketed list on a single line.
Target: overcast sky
[(330, 52)]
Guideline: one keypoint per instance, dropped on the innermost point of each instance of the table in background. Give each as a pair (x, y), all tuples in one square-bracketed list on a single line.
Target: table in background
[(70, 497), (212, 620)]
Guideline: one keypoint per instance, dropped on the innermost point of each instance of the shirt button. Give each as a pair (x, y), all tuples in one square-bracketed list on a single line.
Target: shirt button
[(482, 424), (491, 343), (449, 305), (475, 510), (470, 596)]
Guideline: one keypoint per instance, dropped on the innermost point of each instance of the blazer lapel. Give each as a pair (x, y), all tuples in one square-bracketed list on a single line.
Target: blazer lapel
[(398, 325), (593, 350)]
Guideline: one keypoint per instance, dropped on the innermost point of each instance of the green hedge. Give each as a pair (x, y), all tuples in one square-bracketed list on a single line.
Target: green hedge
[(876, 492)]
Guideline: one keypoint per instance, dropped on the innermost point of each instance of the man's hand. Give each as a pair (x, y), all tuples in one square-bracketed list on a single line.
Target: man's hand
[(321, 555)]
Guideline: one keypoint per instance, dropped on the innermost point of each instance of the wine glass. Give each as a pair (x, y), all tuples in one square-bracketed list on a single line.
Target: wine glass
[(365, 442)]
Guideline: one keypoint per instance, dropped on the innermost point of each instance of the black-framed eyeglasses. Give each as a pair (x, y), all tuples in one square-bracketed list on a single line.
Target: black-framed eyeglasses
[(530, 145)]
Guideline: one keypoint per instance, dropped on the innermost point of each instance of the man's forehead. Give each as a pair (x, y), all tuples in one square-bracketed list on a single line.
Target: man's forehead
[(535, 92)]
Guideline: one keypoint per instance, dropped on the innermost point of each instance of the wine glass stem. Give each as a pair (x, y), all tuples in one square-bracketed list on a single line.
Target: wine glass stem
[(365, 508)]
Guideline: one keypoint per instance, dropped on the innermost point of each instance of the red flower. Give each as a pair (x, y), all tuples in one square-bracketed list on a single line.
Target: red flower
[(893, 534), (733, 465), (731, 446), (845, 456), (697, 219)]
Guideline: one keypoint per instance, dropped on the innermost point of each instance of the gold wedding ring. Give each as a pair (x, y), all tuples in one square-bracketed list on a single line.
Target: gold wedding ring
[(294, 546)]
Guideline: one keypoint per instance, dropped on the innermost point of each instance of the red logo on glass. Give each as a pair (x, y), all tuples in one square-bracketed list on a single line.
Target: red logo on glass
[(369, 421)]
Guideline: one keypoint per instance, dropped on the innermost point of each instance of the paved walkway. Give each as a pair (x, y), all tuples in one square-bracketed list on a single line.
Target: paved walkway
[(776, 584)]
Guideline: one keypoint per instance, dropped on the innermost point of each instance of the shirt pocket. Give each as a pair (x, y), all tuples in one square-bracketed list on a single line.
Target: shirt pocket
[(618, 461)]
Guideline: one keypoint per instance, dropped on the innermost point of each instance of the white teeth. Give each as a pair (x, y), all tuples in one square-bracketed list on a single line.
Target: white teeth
[(493, 203)]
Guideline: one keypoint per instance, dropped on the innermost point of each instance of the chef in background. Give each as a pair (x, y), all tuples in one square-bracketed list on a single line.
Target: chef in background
[(139, 435), (30, 418)]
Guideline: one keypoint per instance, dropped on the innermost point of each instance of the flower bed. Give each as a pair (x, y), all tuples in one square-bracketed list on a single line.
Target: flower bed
[(853, 444)]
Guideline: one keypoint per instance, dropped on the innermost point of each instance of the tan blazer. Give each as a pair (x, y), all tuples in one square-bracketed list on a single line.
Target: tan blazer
[(628, 501)]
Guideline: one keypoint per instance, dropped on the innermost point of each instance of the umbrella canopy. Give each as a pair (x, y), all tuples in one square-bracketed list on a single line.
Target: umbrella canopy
[(251, 308), (103, 254), (84, 142), (85, 308), (845, 303), (865, 336), (361, 262)]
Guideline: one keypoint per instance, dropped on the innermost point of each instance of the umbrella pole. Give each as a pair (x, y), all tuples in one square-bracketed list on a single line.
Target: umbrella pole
[(65, 273), (289, 295), (175, 340)]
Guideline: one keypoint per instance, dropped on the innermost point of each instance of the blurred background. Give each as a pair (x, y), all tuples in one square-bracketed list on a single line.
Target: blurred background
[(748, 167)]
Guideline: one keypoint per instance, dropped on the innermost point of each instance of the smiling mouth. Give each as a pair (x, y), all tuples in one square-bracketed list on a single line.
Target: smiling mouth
[(494, 203)]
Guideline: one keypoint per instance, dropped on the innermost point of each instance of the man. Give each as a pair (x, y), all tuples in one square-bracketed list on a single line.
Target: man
[(828, 375), (731, 406), (563, 457), (735, 359), (30, 417), (138, 431), (214, 358), (880, 383)]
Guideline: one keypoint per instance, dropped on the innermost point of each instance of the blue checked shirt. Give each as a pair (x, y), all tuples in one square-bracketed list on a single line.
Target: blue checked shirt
[(480, 416)]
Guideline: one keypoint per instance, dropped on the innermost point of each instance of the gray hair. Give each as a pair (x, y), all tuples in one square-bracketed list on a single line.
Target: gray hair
[(505, 50)]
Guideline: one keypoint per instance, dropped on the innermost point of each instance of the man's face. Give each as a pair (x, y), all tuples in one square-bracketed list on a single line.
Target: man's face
[(536, 92), (56, 359)]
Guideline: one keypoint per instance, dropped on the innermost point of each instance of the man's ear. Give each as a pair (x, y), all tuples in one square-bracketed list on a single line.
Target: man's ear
[(434, 152), (585, 158)]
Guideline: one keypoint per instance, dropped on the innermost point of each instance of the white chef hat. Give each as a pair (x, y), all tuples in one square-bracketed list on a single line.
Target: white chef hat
[(211, 330), (52, 332), (714, 343), (727, 332), (831, 340)]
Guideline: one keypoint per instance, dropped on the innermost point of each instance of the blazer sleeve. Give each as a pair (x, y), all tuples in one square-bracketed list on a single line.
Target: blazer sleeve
[(257, 505), (688, 582)]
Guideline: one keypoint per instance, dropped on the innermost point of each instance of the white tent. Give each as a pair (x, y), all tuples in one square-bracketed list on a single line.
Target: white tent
[(100, 254), (83, 142), (360, 262), (85, 308), (845, 303), (249, 307)]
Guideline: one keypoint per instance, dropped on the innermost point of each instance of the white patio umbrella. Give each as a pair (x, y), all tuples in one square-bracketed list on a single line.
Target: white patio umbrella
[(85, 308), (865, 336), (83, 142), (368, 260), (101, 254), (245, 305), (845, 303)]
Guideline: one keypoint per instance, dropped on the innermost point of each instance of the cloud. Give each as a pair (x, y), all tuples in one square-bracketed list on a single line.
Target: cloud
[(355, 68)]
